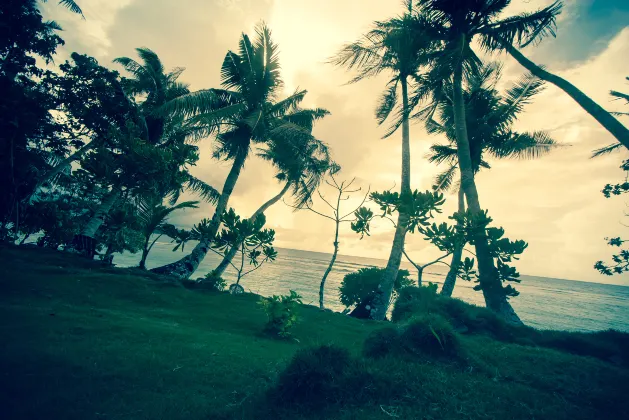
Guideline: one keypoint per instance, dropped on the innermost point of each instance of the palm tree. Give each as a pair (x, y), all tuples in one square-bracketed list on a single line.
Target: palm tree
[(455, 24), (301, 167), (245, 112), (605, 118), (71, 5), (392, 46), (489, 116), (153, 216)]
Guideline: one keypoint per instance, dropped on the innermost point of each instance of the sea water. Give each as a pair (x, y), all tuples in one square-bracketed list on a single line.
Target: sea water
[(543, 302)]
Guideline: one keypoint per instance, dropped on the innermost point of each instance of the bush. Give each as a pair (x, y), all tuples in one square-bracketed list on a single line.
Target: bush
[(381, 342), (361, 285), (281, 312), (431, 335), (214, 282), (414, 300)]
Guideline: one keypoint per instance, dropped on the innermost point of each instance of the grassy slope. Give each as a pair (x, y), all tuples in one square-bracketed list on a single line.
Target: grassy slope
[(83, 342)]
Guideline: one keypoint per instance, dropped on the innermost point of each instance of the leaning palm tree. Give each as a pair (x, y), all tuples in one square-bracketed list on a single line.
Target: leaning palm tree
[(153, 216), (301, 167), (245, 112), (392, 47), (489, 116), (455, 24)]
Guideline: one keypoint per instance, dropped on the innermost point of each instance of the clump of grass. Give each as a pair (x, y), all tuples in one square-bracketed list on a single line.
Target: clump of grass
[(381, 342), (431, 335), (319, 377)]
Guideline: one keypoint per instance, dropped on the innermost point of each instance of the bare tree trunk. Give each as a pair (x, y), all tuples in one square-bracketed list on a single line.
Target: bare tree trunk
[(336, 250), (493, 292), (101, 213), (52, 173), (145, 251), (448, 284), (607, 120), (220, 269), (184, 268), (382, 297)]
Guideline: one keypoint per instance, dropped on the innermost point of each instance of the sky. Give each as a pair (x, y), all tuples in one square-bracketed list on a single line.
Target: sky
[(554, 203)]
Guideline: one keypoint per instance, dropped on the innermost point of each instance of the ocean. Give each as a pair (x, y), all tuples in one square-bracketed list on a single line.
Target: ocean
[(544, 303)]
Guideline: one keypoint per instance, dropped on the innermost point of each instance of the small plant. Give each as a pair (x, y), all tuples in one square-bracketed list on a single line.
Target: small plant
[(281, 312), (213, 282)]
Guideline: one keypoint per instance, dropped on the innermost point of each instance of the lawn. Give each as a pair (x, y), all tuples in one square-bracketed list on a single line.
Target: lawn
[(80, 341)]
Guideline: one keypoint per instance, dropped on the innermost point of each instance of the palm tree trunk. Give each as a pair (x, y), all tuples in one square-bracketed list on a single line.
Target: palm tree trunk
[(448, 284), (382, 297), (184, 268), (227, 259), (52, 173), (493, 292), (607, 120), (101, 213)]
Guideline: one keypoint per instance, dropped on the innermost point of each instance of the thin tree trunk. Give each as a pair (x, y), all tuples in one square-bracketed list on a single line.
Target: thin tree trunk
[(382, 297), (227, 259), (493, 292), (101, 213), (52, 173), (336, 249), (184, 268), (448, 284), (607, 120)]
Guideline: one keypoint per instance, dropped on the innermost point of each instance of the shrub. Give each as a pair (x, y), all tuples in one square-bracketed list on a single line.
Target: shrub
[(414, 300), (381, 342), (281, 312), (432, 335), (362, 284)]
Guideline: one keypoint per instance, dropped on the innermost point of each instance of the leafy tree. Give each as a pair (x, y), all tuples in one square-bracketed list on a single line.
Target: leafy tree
[(254, 243), (245, 112), (152, 215), (455, 24), (121, 232), (28, 132), (489, 116), (395, 47)]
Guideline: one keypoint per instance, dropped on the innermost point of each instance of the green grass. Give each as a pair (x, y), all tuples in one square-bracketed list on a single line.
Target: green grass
[(84, 342)]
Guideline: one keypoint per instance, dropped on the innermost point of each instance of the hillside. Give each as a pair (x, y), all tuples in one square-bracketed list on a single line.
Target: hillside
[(80, 341)]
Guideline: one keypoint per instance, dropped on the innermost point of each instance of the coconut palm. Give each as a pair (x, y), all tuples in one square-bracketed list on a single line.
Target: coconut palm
[(245, 111), (393, 47), (456, 24), (153, 216), (489, 116), (301, 167)]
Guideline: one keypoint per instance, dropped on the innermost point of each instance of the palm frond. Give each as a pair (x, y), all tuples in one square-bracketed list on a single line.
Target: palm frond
[(439, 153), (387, 102), (523, 29), (525, 146), (606, 150), (72, 6), (202, 189), (199, 102), (520, 94), (443, 181), (619, 95)]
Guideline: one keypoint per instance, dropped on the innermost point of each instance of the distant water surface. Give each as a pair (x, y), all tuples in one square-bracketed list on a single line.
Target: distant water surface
[(543, 302)]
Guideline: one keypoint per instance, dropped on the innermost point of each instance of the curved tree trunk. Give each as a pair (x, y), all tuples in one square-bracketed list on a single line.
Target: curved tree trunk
[(607, 120), (448, 284), (184, 268), (145, 251), (227, 259), (493, 292), (380, 303), (101, 213), (52, 173)]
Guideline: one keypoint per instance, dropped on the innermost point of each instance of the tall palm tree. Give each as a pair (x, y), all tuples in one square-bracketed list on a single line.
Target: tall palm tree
[(456, 23), (153, 216), (301, 167), (393, 47), (245, 111), (489, 116)]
